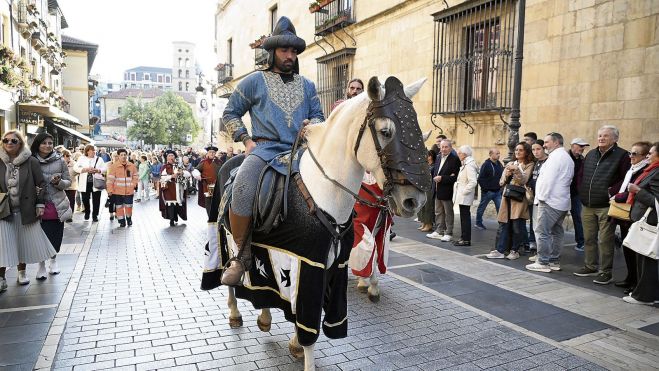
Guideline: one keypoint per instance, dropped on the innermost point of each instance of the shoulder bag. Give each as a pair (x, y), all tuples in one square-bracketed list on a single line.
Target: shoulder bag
[(99, 181), (620, 210), (5, 210), (642, 237)]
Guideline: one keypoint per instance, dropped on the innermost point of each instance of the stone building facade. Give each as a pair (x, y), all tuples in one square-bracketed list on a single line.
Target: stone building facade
[(586, 62), (184, 70)]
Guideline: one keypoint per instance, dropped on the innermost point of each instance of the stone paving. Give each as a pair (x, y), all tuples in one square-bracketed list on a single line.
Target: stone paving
[(138, 306)]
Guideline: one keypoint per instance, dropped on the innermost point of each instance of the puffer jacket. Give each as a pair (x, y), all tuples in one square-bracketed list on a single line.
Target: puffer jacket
[(601, 172), (28, 196), (122, 179), (53, 165)]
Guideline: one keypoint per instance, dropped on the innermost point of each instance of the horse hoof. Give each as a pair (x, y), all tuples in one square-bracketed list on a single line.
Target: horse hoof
[(374, 298), (265, 327), (296, 351), (236, 322)]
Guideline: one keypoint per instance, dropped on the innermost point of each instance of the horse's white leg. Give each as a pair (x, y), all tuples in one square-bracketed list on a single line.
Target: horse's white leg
[(235, 318), (362, 284), (264, 320), (374, 288), (309, 362), (295, 348)]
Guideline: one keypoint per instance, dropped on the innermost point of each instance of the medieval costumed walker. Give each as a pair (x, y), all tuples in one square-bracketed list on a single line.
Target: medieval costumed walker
[(206, 175), (372, 228), (277, 103), (173, 180)]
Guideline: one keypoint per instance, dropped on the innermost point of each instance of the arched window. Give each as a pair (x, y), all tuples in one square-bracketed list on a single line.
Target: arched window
[(180, 73), (187, 63), (187, 74), (180, 62), (187, 86), (180, 86)]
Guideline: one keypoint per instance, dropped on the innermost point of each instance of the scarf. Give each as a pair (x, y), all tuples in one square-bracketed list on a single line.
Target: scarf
[(632, 170), (644, 174)]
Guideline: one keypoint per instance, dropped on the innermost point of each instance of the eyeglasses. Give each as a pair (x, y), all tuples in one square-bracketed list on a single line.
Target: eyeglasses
[(12, 140), (632, 154)]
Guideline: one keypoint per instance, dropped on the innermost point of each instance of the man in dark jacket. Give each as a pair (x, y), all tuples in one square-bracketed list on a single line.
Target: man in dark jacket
[(446, 169), (488, 179), (604, 168), (577, 147)]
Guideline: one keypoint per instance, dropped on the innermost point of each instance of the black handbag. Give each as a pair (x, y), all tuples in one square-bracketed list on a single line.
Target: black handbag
[(514, 192)]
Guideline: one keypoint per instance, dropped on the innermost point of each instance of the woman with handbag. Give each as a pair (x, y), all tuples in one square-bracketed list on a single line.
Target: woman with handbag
[(514, 210), (57, 210), (22, 186), (465, 193), (643, 196), (91, 169), (638, 157)]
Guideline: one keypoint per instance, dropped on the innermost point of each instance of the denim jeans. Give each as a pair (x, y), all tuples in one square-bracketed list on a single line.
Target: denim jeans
[(519, 235), (575, 211), (549, 229), (486, 197)]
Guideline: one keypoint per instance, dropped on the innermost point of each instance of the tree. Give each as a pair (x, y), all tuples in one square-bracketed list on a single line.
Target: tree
[(168, 119)]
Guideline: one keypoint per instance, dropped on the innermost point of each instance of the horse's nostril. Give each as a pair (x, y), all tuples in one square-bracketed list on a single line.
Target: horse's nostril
[(409, 204)]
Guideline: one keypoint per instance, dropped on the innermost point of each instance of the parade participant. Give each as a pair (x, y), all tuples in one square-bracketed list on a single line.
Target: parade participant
[(122, 180), (22, 240), (206, 175), (57, 209), (173, 202), (89, 167), (279, 102)]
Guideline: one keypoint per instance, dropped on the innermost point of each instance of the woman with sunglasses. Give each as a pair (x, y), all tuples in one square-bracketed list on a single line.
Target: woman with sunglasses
[(639, 161), (56, 174), (22, 240)]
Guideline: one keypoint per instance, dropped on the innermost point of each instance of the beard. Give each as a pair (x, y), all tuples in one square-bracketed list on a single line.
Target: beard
[(284, 66)]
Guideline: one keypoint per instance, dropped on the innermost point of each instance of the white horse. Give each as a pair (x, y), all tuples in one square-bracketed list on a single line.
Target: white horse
[(343, 154)]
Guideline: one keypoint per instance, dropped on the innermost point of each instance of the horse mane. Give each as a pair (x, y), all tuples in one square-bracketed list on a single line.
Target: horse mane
[(354, 107)]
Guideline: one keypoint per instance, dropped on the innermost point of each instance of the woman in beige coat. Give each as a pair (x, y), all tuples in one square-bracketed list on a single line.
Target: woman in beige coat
[(465, 193), (517, 173)]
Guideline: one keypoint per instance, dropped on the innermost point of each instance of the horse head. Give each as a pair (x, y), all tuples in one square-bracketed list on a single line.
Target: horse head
[(395, 152)]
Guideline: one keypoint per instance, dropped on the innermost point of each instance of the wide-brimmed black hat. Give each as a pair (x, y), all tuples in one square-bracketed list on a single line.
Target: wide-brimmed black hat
[(167, 152), (284, 36), (211, 148)]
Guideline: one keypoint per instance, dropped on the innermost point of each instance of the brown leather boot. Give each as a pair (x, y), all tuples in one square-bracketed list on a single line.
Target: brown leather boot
[(234, 273)]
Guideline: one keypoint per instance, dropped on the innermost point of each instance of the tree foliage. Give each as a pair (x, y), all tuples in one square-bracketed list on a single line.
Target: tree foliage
[(168, 119)]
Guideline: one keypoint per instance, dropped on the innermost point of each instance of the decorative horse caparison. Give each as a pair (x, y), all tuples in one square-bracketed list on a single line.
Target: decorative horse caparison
[(300, 266)]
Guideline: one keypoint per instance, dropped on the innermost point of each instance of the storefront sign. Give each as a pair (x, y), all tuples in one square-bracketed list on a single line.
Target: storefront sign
[(30, 118)]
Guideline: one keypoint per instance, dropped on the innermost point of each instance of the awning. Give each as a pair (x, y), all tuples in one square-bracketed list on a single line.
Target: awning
[(75, 133), (49, 111)]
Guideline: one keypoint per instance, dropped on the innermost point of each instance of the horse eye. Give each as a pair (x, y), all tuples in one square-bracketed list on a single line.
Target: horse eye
[(386, 132)]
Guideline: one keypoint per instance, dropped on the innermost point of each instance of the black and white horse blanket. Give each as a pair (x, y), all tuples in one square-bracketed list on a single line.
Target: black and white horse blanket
[(296, 267)]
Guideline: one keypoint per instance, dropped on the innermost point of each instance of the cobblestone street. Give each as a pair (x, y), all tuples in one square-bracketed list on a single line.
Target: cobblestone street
[(138, 306)]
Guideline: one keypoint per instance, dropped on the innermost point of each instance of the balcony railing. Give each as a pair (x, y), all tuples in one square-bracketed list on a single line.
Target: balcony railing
[(334, 16), (224, 73)]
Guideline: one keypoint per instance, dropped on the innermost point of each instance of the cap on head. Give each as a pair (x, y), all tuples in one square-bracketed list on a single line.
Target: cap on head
[(284, 36), (580, 141)]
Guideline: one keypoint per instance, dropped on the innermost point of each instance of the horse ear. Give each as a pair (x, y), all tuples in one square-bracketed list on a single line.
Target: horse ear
[(426, 135), (374, 88), (413, 88)]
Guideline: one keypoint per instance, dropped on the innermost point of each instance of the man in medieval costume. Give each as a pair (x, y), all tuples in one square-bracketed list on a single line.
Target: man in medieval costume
[(206, 174), (173, 180), (280, 102)]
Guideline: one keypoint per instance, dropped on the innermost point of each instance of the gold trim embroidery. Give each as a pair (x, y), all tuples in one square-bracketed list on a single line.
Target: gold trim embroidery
[(305, 328), (335, 324), (288, 97), (301, 258)]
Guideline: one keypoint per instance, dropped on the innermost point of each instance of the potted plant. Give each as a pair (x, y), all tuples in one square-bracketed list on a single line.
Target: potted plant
[(315, 6), (258, 42)]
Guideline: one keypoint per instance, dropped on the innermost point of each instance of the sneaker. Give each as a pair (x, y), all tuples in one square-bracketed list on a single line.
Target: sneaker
[(446, 238), (129, 221), (94, 219), (434, 236), (22, 278), (585, 272), (514, 255), (41, 273), (3, 284), (480, 226), (462, 243), (533, 258), (533, 246), (494, 254), (578, 248), (555, 266), (603, 279), (629, 299), (537, 267), (54, 268)]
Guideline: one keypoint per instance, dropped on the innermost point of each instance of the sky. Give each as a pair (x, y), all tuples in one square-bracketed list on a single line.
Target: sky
[(133, 33)]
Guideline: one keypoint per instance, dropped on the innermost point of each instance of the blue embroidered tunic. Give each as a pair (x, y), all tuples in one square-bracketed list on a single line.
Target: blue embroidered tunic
[(276, 109)]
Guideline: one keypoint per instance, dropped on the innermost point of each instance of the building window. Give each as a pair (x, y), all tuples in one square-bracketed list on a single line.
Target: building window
[(273, 18), (118, 110), (187, 74), (168, 79), (187, 63), (180, 62), (187, 51), (160, 78), (187, 86), (133, 76), (180, 86), (179, 50), (473, 57), (334, 72), (147, 86), (147, 76), (230, 51), (133, 86), (180, 73)]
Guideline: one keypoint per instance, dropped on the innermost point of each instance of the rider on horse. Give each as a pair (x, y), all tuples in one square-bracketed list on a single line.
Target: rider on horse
[(279, 102)]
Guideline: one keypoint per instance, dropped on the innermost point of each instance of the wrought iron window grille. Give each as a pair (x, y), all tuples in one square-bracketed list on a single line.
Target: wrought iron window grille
[(334, 72), (474, 45), (336, 15)]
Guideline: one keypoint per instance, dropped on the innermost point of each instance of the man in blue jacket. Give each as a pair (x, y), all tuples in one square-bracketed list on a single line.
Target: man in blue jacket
[(488, 179)]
